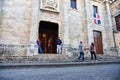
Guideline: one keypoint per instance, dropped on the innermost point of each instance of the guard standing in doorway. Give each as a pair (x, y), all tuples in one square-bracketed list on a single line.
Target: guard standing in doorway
[(59, 46)]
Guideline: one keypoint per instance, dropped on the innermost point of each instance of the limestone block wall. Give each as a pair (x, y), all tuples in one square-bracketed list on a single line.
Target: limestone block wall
[(16, 21), (115, 11), (1, 5), (51, 11), (105, 27), (108, 24), (80, 25), (77, 24), (15, 25), (42, 13), (19, 24), (98, 27), (1, 2), (74, 23)]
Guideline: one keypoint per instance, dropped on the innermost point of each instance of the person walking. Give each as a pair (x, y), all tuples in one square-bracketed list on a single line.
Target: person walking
[(81, 51), (59, 45), (92, 51), (39, 46)]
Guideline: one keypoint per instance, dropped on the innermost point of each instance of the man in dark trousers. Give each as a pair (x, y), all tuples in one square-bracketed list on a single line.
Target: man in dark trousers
[(59, 46), (81, 51)]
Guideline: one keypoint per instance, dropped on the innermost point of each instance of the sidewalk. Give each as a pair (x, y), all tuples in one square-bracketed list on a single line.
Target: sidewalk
[(55, 64), (37, 63)]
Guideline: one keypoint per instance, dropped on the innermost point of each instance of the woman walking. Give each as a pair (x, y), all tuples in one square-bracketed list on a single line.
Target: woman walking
[(92, 51)]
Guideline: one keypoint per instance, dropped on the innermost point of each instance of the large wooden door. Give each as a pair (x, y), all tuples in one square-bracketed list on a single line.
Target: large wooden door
[(48, 33), (98, 42), (48, 42)]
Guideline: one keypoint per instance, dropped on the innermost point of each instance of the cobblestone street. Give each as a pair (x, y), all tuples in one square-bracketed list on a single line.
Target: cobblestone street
[(94, 72)]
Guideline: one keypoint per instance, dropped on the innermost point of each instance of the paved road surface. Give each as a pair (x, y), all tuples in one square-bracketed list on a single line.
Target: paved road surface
[(96, 72)]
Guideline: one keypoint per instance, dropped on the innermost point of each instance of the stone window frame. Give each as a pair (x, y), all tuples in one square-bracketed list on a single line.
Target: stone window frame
[(95, 7), (73, 4)]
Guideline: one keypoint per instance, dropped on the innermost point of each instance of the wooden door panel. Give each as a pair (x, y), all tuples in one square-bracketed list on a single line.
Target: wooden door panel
[(46, 36), (98, 42)]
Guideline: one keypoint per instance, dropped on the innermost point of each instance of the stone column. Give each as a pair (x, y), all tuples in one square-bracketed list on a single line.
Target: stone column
[(66, 41), (34, 28), (88, 22), (1, 5), (108, 26)]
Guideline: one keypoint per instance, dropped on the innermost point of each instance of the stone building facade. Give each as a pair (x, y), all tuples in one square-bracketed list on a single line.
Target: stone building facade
[(115, 13), (23, 22)]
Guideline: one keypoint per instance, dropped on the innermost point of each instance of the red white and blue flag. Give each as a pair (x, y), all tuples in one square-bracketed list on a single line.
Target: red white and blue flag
[(97, 18)]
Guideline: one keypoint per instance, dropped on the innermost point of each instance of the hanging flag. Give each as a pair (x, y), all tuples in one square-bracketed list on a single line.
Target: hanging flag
[(97, 18)]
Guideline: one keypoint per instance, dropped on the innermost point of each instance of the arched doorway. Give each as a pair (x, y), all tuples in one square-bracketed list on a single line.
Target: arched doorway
[(48, 33)]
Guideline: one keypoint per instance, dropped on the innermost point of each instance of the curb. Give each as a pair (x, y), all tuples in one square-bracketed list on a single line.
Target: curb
[(53, 65)]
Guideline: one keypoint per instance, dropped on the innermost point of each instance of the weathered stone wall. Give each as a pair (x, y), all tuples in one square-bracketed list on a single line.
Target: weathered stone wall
[(101, 27), (16, 20), (74, 21), (1, 5), (108, 25), (115, 11), (1, 2), (74, 25), (20, 23)]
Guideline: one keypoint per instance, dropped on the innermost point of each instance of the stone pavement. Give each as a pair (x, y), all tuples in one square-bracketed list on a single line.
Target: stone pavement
[(48, 65), (38, 64)]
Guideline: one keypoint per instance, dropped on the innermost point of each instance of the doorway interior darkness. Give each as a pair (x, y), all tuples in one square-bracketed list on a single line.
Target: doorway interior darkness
[(48, 33)]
